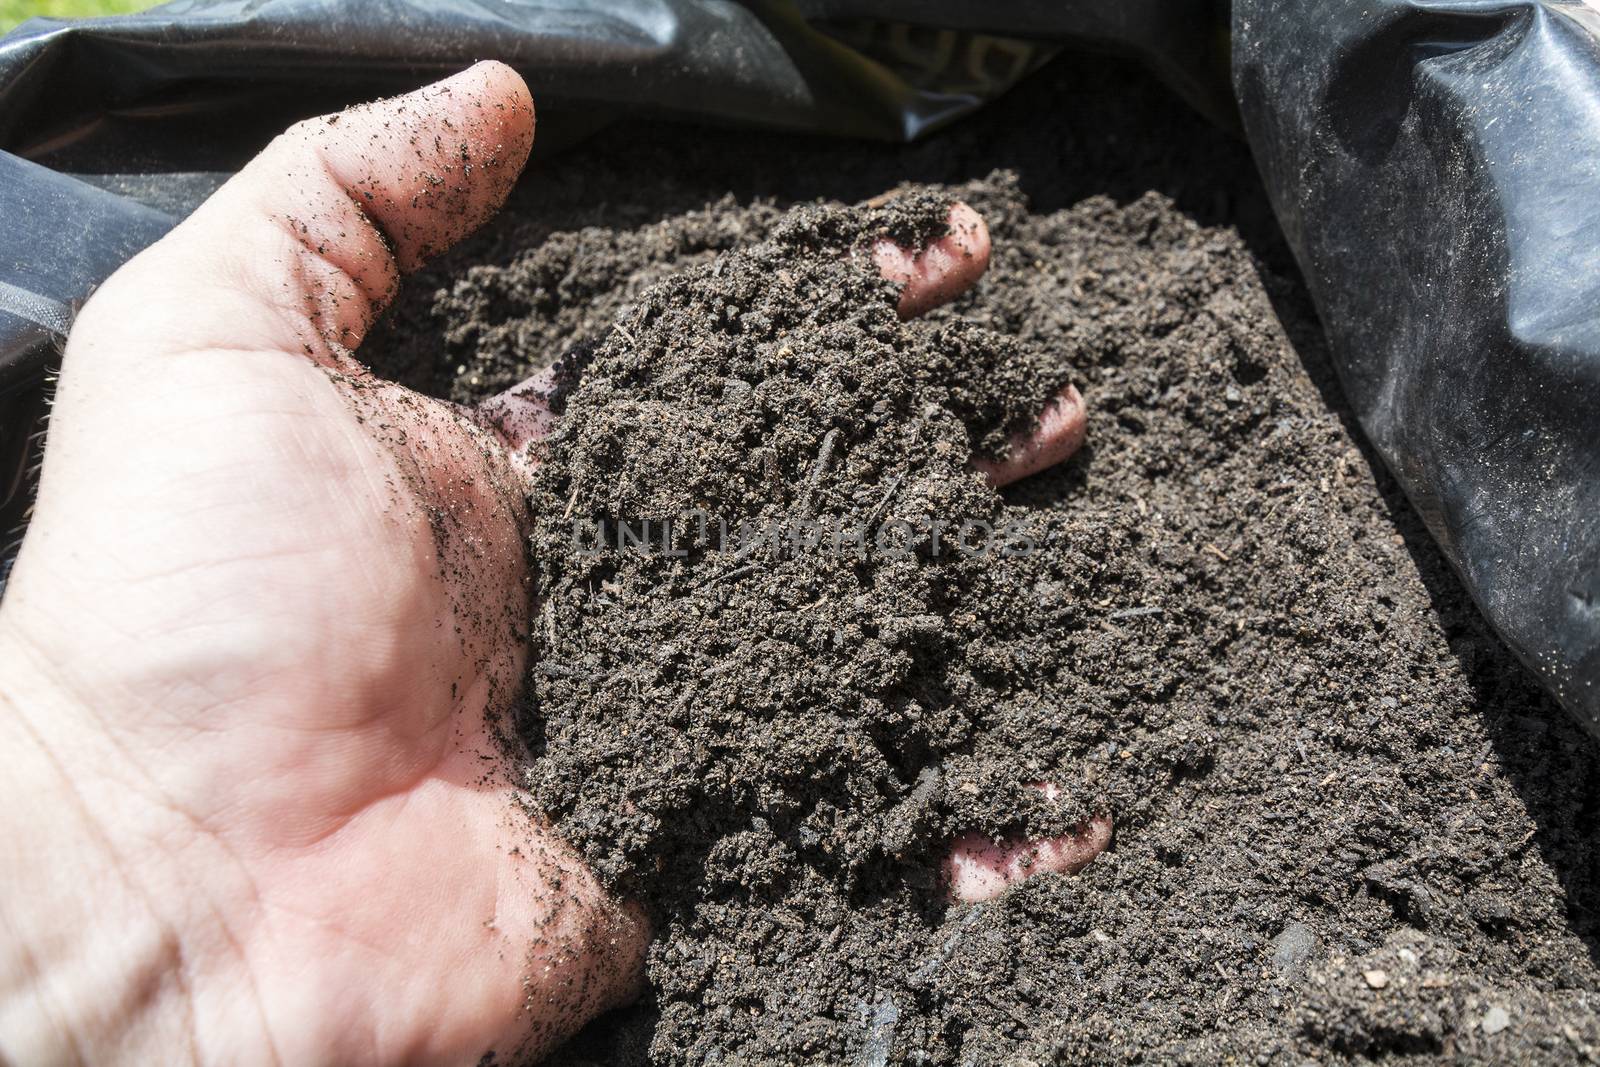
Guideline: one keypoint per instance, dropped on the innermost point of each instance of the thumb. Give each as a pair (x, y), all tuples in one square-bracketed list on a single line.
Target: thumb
[(304, 247)]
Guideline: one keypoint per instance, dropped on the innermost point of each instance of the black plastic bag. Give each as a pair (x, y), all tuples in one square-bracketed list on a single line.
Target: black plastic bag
[(1432, 163), (1436, 168)]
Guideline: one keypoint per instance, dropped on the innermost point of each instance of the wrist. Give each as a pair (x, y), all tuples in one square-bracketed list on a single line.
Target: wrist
[(100, 961)]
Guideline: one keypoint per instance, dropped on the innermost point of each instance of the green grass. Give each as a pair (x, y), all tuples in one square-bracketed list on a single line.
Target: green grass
[(13, 12)]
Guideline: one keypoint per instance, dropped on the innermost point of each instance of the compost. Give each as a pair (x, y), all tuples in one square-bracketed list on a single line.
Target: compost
[(1347, 824)]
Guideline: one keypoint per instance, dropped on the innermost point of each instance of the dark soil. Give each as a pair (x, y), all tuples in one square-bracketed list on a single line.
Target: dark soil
[(1348, 825)]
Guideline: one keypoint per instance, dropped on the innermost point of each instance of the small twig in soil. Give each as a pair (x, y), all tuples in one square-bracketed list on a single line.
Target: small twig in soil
[(877, 512), (1011, 1010), (1135, 613), (824, 457), (737, 572), (623, 330), (931, 967)]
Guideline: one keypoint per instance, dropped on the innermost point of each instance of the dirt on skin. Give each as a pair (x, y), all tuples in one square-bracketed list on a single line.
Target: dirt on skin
[(1348, 825)]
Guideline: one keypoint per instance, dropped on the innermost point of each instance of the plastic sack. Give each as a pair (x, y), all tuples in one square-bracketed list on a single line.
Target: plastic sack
[(1436, 168), (1433, 165)]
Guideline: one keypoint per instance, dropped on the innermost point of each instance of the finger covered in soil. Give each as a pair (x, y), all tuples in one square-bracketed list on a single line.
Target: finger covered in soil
[(320, 226), (933, 268), (981, 868)]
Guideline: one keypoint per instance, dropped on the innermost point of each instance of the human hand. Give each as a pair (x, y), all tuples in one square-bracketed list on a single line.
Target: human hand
[(978, 868), (263, 628), (255, 642)]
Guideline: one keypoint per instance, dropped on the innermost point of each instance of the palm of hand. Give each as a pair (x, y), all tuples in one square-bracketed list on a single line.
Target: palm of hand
[(299, 642)]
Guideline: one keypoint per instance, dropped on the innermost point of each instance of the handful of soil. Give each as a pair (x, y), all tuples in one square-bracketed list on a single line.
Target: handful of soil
[(775, 597), (785, 646)]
